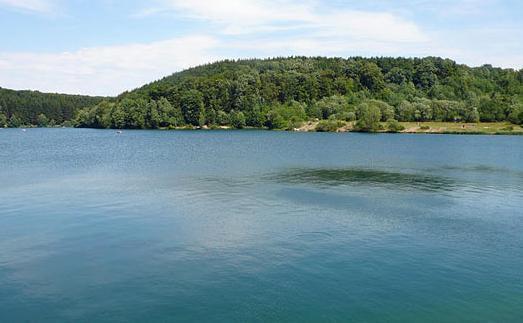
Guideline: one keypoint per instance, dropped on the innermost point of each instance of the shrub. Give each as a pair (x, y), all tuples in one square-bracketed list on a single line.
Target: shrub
[(329, 125), (237, 120), (369, 118), (394, 126)]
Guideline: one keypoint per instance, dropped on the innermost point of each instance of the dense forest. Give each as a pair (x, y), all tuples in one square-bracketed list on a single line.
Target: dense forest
[(282, 93), (26, 108)]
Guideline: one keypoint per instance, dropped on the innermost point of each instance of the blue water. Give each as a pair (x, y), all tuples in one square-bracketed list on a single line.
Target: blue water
[(245, 226)]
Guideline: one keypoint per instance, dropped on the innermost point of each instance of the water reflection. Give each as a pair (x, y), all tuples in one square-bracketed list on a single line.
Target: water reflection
[(369, 177), (480, 169)]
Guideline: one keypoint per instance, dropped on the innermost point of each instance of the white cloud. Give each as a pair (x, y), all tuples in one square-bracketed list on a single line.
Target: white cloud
[(240, 28), (250, 28), (237, 17), (41, 6), (103, 70)]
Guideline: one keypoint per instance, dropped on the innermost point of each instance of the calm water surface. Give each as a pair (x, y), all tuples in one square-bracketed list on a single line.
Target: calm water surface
[(259, 226)]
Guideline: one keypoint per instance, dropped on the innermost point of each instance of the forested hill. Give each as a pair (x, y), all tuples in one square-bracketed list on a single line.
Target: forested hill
[(283, 92), (25, 108)]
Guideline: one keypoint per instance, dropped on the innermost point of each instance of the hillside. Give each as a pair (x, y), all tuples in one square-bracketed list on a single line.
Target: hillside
[(19, 108), (282, 93)]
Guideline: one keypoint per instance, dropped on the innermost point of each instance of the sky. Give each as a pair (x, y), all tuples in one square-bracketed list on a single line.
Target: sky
[(105, 47)]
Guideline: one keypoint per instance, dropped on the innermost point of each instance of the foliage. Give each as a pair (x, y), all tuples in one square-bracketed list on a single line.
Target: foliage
[(329, 106), (192, 106), (42, 120), (29, 105), (275, 121), (516, 114), (3, 120), (394, 126), (369, 116), (329, 125), (237, 120), (281, 93), (15, 121)]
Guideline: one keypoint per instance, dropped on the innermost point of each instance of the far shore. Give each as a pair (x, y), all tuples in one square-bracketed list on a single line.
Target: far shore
[(455, 128), (481, 128)]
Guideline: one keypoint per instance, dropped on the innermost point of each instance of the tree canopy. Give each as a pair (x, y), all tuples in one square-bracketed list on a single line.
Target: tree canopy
[(280, 93), (36, 108)]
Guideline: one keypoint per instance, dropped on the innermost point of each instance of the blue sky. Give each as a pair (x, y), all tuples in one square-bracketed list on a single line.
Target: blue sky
[(103, 47)]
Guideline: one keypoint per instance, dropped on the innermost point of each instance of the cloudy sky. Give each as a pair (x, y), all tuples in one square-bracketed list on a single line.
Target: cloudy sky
[(103, 47)]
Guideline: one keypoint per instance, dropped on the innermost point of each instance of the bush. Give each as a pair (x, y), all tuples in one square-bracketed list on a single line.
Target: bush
[(237, 120), (329, 106), (42, 121), (275, 121), (369, 118), (394, 126), (424, 127), (67, 124), (329, 125), (294, 122), (346, 116), (14, 122), (3, 120)]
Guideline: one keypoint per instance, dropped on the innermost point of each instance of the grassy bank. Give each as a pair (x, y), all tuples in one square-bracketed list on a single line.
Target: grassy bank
[(490, 128), (485, 128)]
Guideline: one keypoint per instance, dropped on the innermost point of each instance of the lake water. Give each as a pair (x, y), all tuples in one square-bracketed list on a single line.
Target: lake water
[(245, 226)]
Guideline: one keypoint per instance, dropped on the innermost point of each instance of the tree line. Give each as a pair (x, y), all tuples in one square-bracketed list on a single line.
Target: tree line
[(33, 108), (282, 93)]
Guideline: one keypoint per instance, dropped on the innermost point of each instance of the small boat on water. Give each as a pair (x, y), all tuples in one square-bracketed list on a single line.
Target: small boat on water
[(24, 130), (119, 132)]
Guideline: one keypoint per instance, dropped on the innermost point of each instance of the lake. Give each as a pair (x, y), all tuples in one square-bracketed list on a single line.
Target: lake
[(246, 226)]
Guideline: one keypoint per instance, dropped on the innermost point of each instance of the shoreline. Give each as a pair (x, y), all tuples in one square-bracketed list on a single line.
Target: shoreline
[(421, 128)]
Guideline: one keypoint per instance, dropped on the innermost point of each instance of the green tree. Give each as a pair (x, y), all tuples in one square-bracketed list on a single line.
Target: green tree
[(83, 119), (422, 110), (425, 74), (152, 118), (134, 110), (255, 116), (42, 121), (387, 111), (515, 112), (3, 120), (15, 122), (396, 75), (169, 115), (329, 106), (472, 115), (192, 107), (100, 115), (275, 120), (394, 126), (223, 118), (405, 111), (238, 120), (371, 76), (118, 117), (369, 117)]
